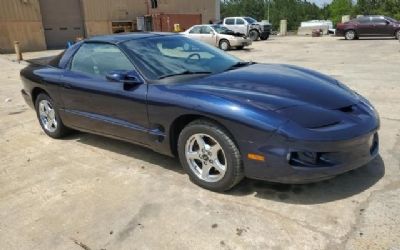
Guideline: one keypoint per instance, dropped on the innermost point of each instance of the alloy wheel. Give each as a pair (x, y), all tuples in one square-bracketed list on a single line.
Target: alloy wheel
[(47, 115), (224, 45), (205, 157), (350, 35)]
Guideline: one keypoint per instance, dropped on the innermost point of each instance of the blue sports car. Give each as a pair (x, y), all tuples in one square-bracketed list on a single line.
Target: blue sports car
[(224, 118)]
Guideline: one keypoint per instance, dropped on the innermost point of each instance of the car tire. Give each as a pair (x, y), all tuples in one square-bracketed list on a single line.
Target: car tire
[(264, 37), (350, 35), (204, 145), (254, 35), (224, 45), (397, 35), (49, 118)]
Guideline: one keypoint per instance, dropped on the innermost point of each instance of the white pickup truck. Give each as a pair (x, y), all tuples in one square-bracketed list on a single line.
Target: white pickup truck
[(248, 26)]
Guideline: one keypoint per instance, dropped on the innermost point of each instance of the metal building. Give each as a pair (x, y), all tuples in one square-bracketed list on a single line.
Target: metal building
[(47, 24)]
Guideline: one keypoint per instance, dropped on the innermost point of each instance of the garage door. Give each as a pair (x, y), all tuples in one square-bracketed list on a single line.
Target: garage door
[(62, 21)]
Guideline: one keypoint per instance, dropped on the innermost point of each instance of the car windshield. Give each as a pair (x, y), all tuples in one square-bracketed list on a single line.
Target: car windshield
[(250, 20), (221, 29), (166, 56), (391, 19)]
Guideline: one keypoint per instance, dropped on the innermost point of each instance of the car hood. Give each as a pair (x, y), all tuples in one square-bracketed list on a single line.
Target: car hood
[(262, 23), (273, 87)]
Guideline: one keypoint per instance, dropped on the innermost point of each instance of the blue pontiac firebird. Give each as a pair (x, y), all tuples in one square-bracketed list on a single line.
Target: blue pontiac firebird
[(224, 118)]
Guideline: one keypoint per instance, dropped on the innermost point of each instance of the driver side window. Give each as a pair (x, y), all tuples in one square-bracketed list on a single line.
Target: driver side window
[(206, 30), (239, 21), (98, 59)]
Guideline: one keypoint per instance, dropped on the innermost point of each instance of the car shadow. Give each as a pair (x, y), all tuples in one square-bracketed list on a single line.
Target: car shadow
[(127, 149), (340, 187), (369, 39)]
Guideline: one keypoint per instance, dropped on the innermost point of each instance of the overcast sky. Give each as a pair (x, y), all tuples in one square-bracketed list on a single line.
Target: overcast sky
[(320, 2)]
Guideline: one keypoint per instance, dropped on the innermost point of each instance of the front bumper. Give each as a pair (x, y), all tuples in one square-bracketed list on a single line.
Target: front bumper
[(241, 42), (339, 32), (338, 157)]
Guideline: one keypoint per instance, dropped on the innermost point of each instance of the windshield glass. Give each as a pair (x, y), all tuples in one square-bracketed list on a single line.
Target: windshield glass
[(221, 29), (165, 56), (250, 20), (391, 19)]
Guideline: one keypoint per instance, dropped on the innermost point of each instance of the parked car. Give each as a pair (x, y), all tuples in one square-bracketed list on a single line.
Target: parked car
[(219, 36), (224, 118), (369, 26), (248, 26)]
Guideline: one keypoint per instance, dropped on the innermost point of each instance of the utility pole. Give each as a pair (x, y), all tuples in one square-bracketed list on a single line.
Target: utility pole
[(268, 2)]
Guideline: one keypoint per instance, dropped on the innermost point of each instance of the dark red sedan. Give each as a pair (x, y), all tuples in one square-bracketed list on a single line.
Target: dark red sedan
[(369, 26)]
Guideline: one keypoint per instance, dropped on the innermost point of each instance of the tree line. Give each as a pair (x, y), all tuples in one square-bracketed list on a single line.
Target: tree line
[(296, 11)]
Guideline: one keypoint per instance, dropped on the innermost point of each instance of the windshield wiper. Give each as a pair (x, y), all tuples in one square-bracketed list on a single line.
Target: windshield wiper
[(239, 64), (186, 72)]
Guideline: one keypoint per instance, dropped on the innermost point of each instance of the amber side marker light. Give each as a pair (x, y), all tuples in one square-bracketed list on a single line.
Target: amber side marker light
[(256, 157)]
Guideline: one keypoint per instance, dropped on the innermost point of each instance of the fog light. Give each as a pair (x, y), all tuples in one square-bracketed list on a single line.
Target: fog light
[(304, 158)]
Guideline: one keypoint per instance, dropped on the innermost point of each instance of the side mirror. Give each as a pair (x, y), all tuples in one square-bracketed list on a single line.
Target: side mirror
[(130, 79)]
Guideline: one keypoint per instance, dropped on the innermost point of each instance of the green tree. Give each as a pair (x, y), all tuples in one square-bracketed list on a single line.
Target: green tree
[(338, 8)]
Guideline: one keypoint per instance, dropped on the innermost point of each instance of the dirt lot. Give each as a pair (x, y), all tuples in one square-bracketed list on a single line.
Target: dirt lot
[(90, 192)]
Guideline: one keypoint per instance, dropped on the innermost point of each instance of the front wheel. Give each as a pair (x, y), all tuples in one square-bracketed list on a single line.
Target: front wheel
[(224, 45), (350, 35), (264, 37), (254, 35), (49, 118), (209, 156)]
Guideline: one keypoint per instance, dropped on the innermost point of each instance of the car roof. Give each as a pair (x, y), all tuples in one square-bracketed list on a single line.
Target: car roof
[(371, 16), (123, 37)]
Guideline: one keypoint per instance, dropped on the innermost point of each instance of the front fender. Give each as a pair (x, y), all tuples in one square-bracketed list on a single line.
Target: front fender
[(247, 123)]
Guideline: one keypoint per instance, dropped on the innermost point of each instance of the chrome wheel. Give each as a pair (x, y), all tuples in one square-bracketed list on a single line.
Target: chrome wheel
[(47, 115), (205, 157), (350, 35)]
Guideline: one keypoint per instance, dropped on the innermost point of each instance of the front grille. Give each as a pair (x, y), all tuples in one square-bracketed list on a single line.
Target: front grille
[(266, 27)]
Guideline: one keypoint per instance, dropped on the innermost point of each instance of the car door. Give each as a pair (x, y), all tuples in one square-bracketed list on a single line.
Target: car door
[(93, 103), (230, 24), (241, 26), (364, 26), (208, 35), (382, 27), (195, 32)]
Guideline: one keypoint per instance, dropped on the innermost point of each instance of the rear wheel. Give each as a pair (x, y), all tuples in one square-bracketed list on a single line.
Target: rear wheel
[(49, 118), (224, 45), (398, 35), (350, 35), (254, 35), (210, 156)]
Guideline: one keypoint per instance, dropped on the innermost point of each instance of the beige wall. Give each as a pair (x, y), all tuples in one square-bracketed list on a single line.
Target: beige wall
[(207, 8), (98, 14), (21, 19), (22, 22)]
